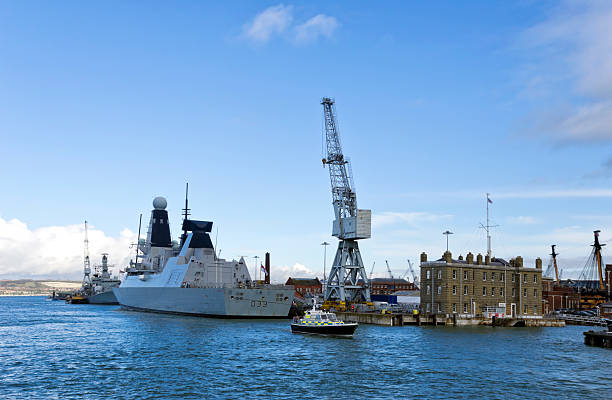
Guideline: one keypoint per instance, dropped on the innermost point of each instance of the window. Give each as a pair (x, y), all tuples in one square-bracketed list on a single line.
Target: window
[(428, 307), (525, 278), (525, 292), (501, 291), (454, 274), (439, 307), (465, 290), (513, 292), (428, 289), (525, 309), (439, 274), (484, 291), (454, 289), (465, 275), (535, 292), (501, 276), (535, 310), (513, 277), (535, 278), (492, 276), (454, 307), (465, 307), (484, 276), (428, 274), (492, 291), (439, 289)]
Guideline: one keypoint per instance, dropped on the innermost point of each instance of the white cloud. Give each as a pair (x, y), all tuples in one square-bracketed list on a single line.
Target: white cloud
[(390, 217), (280, 274), (541, 194), (56, 252), (273, 20), (278, 20), (578, 37), (319, 25), (522, 220)]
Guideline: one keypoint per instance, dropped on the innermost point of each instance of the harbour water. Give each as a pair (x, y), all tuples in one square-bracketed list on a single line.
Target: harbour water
[(55, 350)]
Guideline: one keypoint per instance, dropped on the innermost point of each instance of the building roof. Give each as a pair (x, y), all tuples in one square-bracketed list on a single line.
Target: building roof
[(389, 280), (414, 293), (496, 262), (303, 281)]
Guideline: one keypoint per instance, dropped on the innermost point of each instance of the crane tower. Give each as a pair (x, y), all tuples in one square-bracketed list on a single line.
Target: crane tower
[(350, 223)]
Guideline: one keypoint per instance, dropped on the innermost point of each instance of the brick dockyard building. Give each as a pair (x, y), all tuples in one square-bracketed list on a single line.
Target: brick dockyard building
[(308, 287), (556, 297), (485, 286), (390, 285)]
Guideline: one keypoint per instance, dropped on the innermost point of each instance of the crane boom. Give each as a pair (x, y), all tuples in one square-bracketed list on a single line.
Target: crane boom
[(347, 280), (389, 270), (86, 263)]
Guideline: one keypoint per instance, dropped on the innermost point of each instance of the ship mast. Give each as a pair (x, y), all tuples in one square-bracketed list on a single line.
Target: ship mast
[(186, 214), (597, 247), (554, 257)]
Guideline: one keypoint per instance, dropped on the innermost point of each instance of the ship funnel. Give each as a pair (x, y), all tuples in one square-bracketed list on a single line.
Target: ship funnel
[(267, 267)]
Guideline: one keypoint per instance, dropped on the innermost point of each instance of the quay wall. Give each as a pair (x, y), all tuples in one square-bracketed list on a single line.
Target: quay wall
[(409, 319)]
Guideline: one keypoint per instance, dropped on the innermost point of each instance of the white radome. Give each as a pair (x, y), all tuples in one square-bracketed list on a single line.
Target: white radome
[(160, 203)]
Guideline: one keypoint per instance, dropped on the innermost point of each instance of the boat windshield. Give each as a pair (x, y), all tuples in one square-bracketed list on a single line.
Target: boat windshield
[(318, 317), (332, 317)]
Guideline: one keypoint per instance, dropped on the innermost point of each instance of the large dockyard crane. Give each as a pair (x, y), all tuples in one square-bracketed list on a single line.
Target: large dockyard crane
[(86, 263), (350, 223), (415, 278)]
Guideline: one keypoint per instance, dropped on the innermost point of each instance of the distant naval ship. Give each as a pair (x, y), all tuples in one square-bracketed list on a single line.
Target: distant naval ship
[(102, 283), (188, 278)]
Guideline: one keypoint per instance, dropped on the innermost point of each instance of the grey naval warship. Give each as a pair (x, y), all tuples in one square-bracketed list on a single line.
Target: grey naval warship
[(101, 284), (189, 278)]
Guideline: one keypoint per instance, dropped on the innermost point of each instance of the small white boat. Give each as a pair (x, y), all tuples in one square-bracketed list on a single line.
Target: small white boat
[(318, 322)]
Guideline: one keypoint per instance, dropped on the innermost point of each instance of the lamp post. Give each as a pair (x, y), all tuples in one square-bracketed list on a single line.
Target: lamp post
[(324, 244), (447, 232)]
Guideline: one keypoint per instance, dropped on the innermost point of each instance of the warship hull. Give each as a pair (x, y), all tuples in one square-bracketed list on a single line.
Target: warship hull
[(107, 298), (221, 302)]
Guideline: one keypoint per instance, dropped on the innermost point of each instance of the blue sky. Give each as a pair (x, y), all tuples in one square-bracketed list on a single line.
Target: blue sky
[(106, 105)]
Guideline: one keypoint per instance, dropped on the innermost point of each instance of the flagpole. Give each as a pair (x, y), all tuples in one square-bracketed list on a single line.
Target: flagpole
[(488, 233)]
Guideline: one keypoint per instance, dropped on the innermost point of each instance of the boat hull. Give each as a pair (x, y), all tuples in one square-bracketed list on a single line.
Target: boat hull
[(208, 302), (107, 298), (347, 330), (78, 300)]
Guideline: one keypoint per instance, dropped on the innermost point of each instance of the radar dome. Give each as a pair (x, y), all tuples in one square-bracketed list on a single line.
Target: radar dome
[(160, 203)]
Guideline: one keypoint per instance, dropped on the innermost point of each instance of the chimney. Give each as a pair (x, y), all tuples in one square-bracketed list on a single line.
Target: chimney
[(267, 266)]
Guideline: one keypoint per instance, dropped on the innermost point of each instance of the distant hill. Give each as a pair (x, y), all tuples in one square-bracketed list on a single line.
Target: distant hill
[(30, 287)]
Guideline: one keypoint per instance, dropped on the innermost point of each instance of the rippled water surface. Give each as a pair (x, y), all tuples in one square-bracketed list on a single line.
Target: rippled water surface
[(50, 349)]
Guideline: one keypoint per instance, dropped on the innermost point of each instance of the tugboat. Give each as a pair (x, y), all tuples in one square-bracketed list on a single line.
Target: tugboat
[(77, 298), (318, 322)]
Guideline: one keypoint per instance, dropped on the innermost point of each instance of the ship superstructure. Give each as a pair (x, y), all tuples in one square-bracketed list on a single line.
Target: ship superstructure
[(190, 278), (102, 284)]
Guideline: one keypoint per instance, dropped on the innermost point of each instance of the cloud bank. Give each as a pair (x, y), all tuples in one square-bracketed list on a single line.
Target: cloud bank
[(575, 46), (56, 252)]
